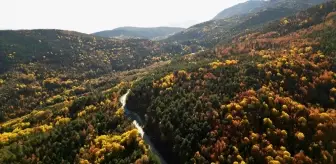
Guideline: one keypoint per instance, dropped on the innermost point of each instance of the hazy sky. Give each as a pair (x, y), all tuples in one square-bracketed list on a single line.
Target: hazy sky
[(95, 15)]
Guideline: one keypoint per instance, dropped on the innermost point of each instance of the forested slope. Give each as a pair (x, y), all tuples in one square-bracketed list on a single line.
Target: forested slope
[(74, 51), (209, 33), (88, 129), (267, 96), (255, 6)]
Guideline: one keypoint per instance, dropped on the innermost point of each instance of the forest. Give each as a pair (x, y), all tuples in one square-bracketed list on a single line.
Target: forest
[(268, 96), (250, 89)]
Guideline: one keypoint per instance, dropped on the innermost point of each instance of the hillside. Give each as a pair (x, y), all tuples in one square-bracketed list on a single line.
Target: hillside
[(90, 128), (154, 33), (74, 51), (208, 34), (254, 6), (240, 9), (266, 96)]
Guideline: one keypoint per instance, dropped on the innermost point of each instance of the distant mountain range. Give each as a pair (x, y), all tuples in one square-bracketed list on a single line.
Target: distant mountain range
[(153, 33)]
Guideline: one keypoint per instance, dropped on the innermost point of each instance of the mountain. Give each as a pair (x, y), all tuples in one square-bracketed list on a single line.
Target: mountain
[(254, 6), (74, 51), (154, 33), (240, 9), (209, 33)]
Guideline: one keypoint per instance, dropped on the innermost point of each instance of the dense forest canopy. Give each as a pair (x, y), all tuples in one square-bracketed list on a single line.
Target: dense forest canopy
[(265, 97), (250, 88)]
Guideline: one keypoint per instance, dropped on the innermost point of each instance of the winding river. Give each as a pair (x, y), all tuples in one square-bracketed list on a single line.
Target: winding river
[(138, 123)]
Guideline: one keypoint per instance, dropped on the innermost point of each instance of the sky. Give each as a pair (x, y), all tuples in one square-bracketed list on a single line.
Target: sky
[(90, 16)]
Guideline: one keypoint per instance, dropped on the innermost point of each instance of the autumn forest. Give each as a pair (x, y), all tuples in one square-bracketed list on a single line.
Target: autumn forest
[(246, 89)]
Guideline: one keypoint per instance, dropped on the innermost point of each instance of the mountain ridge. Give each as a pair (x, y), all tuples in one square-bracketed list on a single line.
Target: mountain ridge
[(153, 33), (208, 34), (239, 9), (255, 6)]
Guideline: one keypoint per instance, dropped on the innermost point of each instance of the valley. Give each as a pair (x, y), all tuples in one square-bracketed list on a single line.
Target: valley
[(138, 123), (245, 87)]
